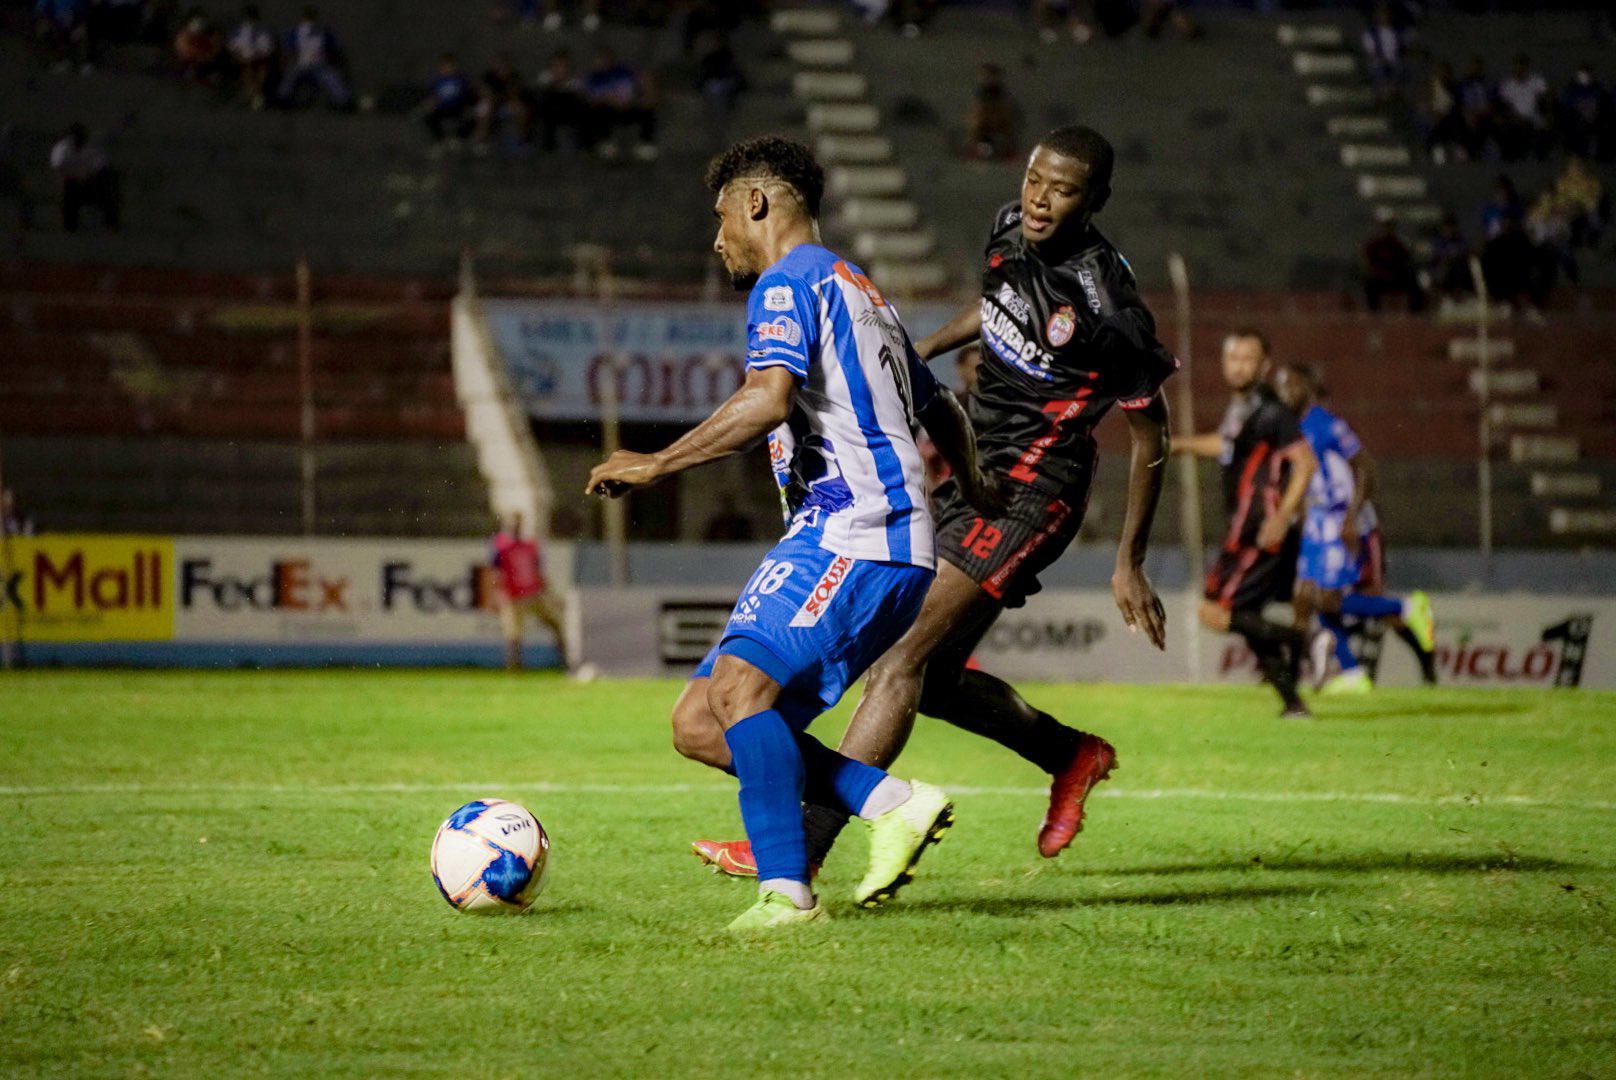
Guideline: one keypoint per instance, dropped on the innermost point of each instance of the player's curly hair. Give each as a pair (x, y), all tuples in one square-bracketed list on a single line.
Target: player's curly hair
[(771, 157), (1086, 145)]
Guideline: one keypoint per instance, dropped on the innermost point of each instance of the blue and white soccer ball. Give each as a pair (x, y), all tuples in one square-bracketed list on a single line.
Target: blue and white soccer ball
[(491, 857)]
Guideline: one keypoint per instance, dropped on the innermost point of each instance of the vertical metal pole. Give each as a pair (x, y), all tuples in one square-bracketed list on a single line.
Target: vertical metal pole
[(615, 511), (1484, 459), (10, 614), (1190, 527), (305, 379)]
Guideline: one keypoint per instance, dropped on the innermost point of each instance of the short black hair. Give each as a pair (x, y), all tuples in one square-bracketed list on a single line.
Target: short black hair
[(1310, 375), (1255, 335), (775, 157), (1086, 145)]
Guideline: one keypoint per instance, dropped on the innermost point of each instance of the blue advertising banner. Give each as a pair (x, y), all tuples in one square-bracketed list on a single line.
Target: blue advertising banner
[(671, 363)]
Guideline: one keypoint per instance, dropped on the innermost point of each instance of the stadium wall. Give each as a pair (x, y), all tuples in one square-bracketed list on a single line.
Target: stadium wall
[(199, 601)]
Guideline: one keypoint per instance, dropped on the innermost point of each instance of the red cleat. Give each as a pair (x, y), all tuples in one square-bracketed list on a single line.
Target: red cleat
[(732, 857), (1093, 762)]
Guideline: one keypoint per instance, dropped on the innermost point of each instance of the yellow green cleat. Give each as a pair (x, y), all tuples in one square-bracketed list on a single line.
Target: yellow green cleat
[(1420, 621), (897, 840), (1347, 683), (775, 911)]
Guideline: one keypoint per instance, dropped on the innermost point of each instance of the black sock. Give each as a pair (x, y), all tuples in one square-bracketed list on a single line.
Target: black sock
[(823, 824), (1427, 660), (1370, 631), (1272, 659), (991, 708), (1251, 625)]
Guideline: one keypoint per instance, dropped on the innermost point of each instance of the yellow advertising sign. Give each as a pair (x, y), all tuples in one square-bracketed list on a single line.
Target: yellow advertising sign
[(87, 588)]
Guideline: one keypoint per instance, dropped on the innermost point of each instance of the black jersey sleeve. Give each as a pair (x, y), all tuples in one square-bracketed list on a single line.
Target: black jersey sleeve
[(1006, 218), (1136, 362)]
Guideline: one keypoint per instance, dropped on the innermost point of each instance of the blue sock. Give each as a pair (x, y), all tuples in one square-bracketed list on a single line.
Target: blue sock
[(770, 769), (1370, 607), (846, 782), (1343, 646)]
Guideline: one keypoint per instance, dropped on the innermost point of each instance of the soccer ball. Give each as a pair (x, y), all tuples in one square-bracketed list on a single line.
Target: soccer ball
[(490, 857)]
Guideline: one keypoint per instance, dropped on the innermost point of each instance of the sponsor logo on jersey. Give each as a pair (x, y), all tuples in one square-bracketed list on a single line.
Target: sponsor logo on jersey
[(819, 598), (1014, 304), (1090, 290), (1010, 344), (1061, 326), (784, 329), (777, 298)]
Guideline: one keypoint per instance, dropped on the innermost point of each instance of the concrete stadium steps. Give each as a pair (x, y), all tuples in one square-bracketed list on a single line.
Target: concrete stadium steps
[(1193, 122)]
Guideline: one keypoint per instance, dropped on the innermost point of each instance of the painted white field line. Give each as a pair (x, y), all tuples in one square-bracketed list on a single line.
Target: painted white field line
[(542, 787)]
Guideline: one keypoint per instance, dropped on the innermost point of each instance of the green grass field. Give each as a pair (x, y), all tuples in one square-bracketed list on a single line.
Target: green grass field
[(219, 874)]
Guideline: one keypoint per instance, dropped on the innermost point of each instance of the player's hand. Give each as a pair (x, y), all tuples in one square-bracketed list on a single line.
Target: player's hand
[(622, 473), (1349, 538), (986, 494), (1140, 606), (1272, 532)]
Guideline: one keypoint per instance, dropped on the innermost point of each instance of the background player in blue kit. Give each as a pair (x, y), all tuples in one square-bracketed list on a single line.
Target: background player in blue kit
[(1329, 567), (834, 381)]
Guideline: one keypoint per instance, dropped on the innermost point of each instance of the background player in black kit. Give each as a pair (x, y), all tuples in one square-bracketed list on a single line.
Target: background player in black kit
[(1267, 466), (1064, 337)]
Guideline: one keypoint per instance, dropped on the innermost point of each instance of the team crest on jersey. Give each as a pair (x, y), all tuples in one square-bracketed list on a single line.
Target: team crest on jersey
[(777, 298), (1090, 290), (784, 329), (1062, 325), (823, 592)]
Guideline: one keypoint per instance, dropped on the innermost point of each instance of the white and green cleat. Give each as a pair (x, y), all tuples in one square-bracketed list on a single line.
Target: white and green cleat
[(775, 911), (899, 837), (1356, 681), (1420, 621)]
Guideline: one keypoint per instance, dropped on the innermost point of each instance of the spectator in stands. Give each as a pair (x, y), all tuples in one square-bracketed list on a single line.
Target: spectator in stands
[(1587, 208), (1076, 17), (1383, 49), (1157, 15), (1513, 269), (718, 73), (554, 19), (88, 179), (313, 56), (1523, 121), (1548, 227), (1504, 207), (1388, 267), (619, 97), (1585, 115), (1475, 94), (1447, 271), (506, 109), (563, 103), (14, 520), (252, 49), (448, 103), (199, 49), (1444, 127), (63, 28), (992, 121)]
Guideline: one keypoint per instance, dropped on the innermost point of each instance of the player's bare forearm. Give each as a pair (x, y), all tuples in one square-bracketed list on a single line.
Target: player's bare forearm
[(1136, 597), (1364, 475), (1303, 465), (957, 332), (950, 430), (761, 404), (1208, 446)]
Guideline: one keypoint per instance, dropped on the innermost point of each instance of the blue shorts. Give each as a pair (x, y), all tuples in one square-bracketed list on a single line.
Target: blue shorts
[(814, 621), (1327, 564)]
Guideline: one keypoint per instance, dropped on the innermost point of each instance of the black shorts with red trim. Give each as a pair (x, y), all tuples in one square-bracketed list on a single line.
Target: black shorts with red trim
[(1247, 576), (1006, 554)]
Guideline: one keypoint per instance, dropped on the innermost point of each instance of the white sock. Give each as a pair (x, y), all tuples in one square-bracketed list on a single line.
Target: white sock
[(797, 892), (889, 794)]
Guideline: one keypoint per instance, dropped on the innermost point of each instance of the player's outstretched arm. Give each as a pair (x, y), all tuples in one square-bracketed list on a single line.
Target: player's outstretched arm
[(761, 404), (1136, 597), (961, 330), (1209, 445), (950, 429)]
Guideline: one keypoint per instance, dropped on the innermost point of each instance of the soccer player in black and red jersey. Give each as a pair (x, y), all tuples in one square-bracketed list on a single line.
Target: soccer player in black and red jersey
[(1267, 466), (1064, 337)]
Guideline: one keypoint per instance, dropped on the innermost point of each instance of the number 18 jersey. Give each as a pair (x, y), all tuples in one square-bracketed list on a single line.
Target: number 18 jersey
[(846, 461)]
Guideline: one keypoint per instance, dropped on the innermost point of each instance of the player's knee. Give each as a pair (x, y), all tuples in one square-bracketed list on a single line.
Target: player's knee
[(738, 690), (696, 733)]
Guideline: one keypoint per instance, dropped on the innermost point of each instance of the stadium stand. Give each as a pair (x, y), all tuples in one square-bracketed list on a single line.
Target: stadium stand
[(169, 401)]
